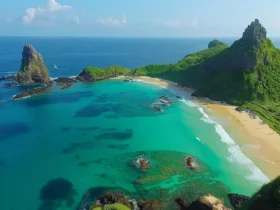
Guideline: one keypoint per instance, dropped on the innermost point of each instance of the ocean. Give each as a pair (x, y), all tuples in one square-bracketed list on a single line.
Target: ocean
[(89, 133)]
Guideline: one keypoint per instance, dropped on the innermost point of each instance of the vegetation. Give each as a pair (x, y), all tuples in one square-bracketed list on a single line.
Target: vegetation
[(91, 73), (268, 197), (246, 73)]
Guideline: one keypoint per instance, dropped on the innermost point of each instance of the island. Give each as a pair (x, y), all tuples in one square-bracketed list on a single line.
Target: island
[(246, 74)]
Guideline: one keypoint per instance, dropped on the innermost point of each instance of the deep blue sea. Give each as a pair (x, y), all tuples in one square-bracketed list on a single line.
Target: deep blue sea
[(88, 133)]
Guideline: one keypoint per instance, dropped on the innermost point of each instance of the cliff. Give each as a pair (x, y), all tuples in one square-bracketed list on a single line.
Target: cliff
[(33, 69)]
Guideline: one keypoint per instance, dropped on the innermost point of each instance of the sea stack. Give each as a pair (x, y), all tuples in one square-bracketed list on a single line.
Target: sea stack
[(33, 69)]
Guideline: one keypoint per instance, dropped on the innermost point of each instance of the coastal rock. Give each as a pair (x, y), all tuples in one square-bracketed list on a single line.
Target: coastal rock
[(207, 202), (2, 78), (34, 91), (237, 200), (151, 205), (65, 82), (114, 197), (33, 69), (9, 84)]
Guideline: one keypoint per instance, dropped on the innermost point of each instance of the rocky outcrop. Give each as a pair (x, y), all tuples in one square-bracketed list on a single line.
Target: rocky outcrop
[(33, 69), (114, 197), (255, 33), (237, 201), (34, 91), (207, 202), (151, 205), (65, 82)]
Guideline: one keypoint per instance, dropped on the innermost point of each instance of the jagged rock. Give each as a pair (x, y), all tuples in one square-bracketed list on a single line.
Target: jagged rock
[(151, 205), (34, 91), (33, 69), (2, 78), (214, 43), (65, 82), (255, 33), (237, 200), (114, 197), (207, 202), (9, 84), (182, 203)]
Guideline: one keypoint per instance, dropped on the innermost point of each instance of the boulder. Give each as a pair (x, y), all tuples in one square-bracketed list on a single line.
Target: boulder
[(237, 200)]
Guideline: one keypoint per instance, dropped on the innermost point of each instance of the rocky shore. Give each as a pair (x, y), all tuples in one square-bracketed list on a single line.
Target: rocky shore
[(65, 82), (35, 91)]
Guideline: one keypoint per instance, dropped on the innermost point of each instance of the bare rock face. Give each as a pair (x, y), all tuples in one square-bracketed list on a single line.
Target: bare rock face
[(255, 33), (33, 69)]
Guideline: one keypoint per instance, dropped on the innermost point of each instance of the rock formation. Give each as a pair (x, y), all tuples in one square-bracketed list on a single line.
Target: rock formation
[(33, 69), (255, 33), (237, 201)]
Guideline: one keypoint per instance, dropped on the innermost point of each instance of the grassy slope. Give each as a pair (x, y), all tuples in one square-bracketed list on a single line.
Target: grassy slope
[(214, 73)]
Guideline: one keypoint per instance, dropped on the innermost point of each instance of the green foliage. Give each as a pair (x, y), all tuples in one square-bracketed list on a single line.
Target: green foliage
[(267, 198), (116, 206), (247, 73), (100, 73), (215, 43)]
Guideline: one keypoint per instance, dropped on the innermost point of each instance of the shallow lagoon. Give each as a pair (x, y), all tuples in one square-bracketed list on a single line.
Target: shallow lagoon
[(88, 133)]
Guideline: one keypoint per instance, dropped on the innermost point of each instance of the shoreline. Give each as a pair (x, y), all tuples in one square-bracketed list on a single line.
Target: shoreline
[(258, 142)]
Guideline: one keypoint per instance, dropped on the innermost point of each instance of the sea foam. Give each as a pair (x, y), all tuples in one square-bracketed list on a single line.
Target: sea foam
[(236, 155)]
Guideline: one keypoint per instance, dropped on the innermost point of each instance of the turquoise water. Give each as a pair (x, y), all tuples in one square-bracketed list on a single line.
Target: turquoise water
[(78, 133), (64, 133)]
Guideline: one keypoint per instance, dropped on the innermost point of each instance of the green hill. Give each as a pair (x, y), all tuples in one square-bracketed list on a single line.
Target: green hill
[(245, 74)]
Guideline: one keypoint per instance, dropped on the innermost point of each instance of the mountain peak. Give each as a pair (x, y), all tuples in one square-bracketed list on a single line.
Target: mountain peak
[(255, 33)]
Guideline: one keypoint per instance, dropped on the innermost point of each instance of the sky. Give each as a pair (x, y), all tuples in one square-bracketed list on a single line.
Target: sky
[(136, 18)]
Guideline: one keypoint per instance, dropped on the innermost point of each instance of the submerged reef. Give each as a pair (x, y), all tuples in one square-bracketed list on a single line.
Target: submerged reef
[(55, 193)]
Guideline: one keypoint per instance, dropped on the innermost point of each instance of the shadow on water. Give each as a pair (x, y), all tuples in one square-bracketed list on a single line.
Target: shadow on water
[(79, 146), (118, 136), (68, 128), (56, 98), (56, 193), (13, 129)]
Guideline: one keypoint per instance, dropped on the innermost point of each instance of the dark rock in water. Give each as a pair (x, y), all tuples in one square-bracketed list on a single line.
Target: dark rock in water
[(2, 78), (55, 192), (65, 82), (9, 84), (34, 91), (237, 200), (33, 69), (151, 205), (114, 197), (182, 203)]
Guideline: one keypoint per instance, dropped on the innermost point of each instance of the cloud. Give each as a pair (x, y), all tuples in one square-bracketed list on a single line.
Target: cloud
[(112, 22), (182, 24), (44, 14)]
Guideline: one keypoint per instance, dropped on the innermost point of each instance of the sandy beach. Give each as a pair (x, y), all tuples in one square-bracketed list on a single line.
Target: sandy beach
[(257, 141)]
